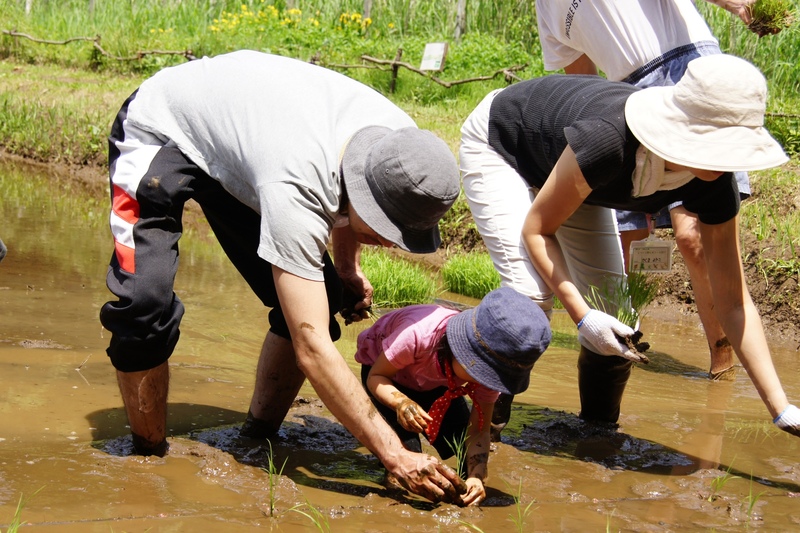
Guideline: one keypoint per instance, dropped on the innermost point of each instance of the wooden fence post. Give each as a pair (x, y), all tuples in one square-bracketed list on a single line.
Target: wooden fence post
[(461, 20), (395, 68)]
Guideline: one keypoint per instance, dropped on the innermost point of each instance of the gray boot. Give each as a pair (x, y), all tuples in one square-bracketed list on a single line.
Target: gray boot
[(601, 382)]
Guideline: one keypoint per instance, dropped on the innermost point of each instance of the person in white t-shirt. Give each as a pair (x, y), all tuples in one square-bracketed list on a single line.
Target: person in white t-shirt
[(645, 43), (283, 157)]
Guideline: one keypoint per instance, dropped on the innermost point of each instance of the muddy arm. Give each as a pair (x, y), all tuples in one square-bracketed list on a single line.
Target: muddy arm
[(409, 414), (305, 307)]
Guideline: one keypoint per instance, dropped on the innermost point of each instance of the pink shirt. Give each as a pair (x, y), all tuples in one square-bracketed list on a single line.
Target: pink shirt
[(409, 338)]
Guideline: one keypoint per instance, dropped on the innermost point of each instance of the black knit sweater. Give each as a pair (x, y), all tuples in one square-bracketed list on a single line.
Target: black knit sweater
[(531, 122)]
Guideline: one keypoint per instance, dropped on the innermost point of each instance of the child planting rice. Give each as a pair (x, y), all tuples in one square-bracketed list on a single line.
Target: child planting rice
[(420, 361)]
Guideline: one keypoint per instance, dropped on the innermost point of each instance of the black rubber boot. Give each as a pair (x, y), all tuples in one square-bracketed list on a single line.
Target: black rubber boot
[(500, 415), (143, 447), (601, 382), (256, 429)]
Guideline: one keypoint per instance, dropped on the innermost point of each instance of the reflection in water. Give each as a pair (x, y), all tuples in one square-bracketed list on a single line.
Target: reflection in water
[(62, 428)]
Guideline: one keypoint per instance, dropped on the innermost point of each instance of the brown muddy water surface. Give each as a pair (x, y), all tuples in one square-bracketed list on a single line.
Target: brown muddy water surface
[(689, 454)]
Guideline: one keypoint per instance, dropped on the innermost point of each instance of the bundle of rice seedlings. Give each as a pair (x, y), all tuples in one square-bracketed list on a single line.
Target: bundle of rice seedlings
[(771, 16)]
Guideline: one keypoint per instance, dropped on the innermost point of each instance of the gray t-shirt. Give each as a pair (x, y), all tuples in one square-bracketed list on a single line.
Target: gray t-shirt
[(271, 130)]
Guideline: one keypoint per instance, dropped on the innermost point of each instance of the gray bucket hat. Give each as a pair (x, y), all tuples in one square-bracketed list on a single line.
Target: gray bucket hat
[(401, 182), (499, 341)]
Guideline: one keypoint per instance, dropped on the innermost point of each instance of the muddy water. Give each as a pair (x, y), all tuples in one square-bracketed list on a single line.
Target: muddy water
[(689, 454)]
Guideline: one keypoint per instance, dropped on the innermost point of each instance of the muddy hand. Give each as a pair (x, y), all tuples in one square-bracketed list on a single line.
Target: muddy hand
[(426, 476), (456, 486), (475, 494), (789, 420), (411, 416), (354, 309)]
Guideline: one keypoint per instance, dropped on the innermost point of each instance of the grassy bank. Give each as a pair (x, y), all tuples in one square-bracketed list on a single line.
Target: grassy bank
[(58, 98), (109, 47)]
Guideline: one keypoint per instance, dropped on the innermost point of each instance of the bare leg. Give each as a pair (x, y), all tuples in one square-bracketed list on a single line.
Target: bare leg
[(278, 380), (687, 236), (145, 397), (626, 238)]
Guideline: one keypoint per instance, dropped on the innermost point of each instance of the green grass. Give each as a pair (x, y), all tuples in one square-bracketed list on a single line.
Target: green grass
[(470, 274), (500, 34), (775, 55), (397, 282)]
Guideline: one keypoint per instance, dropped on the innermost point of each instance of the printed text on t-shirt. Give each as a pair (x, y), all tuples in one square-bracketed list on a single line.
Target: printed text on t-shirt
[(570, 15)]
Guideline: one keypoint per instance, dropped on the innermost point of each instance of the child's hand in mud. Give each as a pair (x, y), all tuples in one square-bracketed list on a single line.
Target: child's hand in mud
[(476, 492), (411, 416)]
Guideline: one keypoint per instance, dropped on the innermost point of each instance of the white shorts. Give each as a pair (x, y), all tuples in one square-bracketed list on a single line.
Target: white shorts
[(499, 199)]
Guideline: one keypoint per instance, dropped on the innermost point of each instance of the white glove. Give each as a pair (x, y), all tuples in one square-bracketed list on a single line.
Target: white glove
[(789, 420), (598, 332)]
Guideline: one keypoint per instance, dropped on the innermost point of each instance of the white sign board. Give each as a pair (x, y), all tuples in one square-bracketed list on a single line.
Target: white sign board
[(433, 57), (651, 255)]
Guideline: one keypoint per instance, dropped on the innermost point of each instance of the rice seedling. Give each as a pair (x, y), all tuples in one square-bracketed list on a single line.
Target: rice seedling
[(16, 521), (752, 499), (471, 274), (520, 515), (274, 476), (608, 521), (771, 16), (319, 520), (719, 482), (471, 526), (458, 444), (397, 282), (624, 298)]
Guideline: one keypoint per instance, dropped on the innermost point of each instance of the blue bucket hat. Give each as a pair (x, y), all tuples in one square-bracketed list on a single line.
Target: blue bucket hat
[(498, 341)]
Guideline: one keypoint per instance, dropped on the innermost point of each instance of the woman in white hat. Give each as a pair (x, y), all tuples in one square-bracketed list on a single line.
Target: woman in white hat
[(542, 162)]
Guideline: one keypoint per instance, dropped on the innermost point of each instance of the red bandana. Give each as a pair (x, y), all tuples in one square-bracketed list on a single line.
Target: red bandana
[(440, 406)]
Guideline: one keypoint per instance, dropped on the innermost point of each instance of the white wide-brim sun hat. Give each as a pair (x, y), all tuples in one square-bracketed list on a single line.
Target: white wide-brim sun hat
[(712, 119)]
